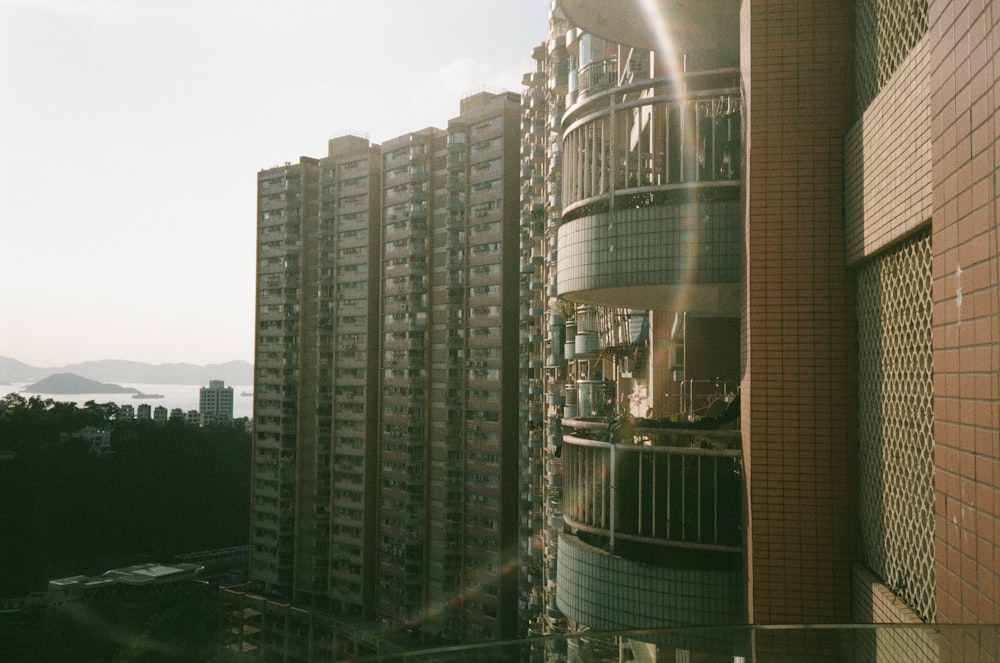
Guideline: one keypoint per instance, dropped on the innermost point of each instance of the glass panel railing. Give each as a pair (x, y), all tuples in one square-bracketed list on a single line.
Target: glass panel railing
[(838, 643)]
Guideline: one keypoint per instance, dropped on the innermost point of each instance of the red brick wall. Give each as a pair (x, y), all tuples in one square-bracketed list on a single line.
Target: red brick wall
[(798, 358), (966, 275)]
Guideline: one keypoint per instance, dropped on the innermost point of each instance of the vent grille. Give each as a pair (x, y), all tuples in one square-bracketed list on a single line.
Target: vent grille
[(896, 467), (887, 30)]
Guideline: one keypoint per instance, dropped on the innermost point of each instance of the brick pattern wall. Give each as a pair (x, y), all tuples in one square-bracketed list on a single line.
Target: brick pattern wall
[(965, 43), (874, 603), (888, 161), (798, 381)]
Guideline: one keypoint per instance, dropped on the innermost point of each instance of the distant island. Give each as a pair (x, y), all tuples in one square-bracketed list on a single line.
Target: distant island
[(70, 383), (13, 371)]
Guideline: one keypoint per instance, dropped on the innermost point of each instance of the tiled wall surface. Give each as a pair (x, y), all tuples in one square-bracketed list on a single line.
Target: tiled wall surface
[(678, 244), (608, 592), (875, 604), (965, 42), (888, 161), (798, 374)]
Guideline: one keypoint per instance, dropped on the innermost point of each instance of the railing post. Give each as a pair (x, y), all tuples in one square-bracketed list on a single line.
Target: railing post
[(613, 498)]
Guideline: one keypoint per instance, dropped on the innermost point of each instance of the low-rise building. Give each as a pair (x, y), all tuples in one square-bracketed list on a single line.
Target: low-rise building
[(216, 401)]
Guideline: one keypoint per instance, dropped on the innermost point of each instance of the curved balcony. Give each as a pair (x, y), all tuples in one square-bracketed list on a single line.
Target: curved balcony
[(665, 495), (661, 511), (598, 76), (652, 217), (708, 30)]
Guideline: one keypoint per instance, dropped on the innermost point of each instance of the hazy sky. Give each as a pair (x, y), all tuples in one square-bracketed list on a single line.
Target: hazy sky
[(131, 132)]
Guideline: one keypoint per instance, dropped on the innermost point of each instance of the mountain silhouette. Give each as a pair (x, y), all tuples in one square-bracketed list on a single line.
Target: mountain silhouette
[(69, 383), (13, 371)]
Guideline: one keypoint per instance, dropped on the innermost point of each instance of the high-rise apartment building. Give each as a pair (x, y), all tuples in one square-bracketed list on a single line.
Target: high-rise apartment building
[(754, 375), (783, 211), (385, 446), (215, 402)]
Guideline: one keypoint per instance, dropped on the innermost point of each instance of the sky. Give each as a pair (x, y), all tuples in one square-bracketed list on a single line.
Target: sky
[(131, 133)]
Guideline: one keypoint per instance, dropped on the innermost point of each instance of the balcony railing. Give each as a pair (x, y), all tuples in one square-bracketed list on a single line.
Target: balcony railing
[(598, 76), (664, 487), (648, 138)]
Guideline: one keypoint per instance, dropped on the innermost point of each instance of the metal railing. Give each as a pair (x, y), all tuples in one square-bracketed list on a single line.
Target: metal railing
[(652, 137), (668, 487), (597, 76)]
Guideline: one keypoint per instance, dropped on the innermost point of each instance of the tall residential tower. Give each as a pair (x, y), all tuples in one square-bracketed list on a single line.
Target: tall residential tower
[(385, 446), (795, 202)]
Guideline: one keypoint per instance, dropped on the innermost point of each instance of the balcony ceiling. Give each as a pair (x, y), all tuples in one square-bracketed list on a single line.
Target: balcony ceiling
[(709, 300), (708, 30)]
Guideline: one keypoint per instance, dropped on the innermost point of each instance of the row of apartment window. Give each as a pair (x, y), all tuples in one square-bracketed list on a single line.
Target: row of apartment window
[(397, 430), (492, 310), (274, 182), (359, 268), (350, 182), (482, 522), (413, 392), (482, 479), (342, 425), (275, 246), (344, 167), (396, 409), (358, 233), (397, 336), (483, 209), (404, 190), (350, 355), (346, 304), (403, 261), (483, 457), (291, 214), (354, 532), (288, 325), (486, 145), (476, 436), (346, 286), (348, 477)]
